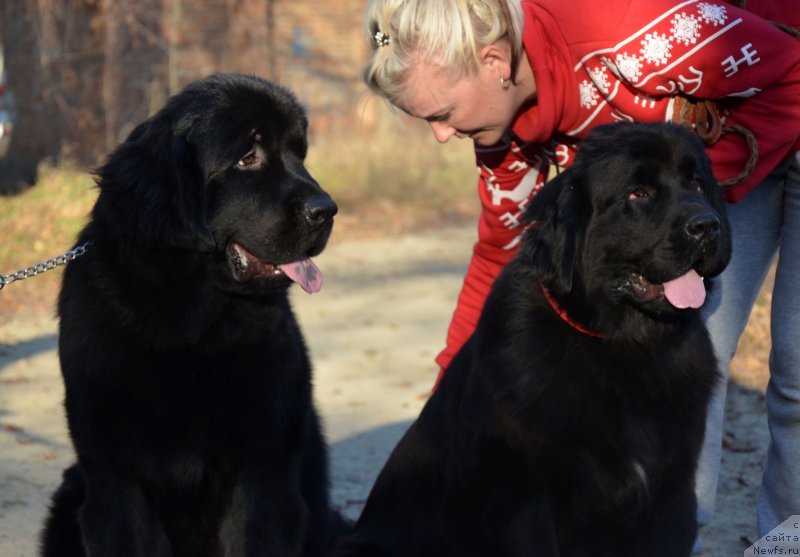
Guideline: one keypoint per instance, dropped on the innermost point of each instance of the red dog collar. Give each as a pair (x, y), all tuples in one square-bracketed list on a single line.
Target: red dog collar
[(562, 313)]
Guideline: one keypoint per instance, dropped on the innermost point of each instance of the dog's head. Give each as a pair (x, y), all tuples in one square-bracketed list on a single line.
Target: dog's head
[(220, 171), (637, 220)]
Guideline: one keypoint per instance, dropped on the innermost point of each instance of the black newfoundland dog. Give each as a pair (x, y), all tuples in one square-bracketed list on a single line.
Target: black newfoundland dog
[(188, 385), (570, 424)]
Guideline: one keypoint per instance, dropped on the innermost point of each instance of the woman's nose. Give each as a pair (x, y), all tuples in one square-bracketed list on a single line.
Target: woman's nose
[(442, 131)]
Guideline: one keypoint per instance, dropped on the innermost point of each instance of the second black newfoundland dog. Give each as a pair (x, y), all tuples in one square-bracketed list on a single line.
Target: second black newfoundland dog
[(188, 385), (570, 424)]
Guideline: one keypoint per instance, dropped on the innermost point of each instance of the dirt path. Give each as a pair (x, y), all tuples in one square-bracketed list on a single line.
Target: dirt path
[(373, 331)]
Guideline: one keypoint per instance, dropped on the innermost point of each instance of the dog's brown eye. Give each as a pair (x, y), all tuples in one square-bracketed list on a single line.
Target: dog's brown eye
[(248, 160), (638, 193)]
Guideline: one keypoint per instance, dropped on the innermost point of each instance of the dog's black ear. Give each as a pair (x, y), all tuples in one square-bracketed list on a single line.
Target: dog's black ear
[(191, 193), (152, 189), (552, 244)]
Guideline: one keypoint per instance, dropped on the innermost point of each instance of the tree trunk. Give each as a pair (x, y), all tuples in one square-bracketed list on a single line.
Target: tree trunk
[(54, 67), (38, 125)]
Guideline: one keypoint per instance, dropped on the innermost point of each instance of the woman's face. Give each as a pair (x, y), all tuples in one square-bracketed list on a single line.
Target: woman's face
[(475, 106)]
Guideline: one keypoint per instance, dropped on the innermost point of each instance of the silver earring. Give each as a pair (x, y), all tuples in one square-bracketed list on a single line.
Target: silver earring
[(381, 39), (505, 83)]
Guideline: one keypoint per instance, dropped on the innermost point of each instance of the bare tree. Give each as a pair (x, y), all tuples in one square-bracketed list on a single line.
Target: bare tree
[(38, 121), (134, 82), (54, 65)]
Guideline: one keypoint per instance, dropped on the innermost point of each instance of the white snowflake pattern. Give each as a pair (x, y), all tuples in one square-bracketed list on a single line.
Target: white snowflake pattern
[(630, 67), (685, 29), (599, 77), (589, 94), (712, 13), (656, 48)]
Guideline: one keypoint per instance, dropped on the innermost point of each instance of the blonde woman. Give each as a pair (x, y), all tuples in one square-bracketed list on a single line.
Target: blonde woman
[(526, 80)]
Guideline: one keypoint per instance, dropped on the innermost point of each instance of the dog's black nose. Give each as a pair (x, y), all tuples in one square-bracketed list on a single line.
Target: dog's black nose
[(318, 210), (704, 225)]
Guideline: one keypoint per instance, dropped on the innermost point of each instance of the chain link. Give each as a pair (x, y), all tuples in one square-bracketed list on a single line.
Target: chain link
[(48, 265)]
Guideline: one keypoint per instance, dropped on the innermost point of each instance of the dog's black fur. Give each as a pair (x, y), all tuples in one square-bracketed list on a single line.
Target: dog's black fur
[(541, 439), (188, 385)]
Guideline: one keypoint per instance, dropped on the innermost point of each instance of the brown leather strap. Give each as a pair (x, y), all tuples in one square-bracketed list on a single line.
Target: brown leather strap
[(787, 28), (750, 165), (706, 120), (703, 117)]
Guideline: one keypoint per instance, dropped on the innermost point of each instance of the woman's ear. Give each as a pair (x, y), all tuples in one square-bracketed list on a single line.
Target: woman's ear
[(497, 56)]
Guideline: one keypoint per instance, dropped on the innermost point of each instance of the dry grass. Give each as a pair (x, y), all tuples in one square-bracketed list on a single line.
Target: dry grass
[(37, 225), (395, 178), (750, 367)]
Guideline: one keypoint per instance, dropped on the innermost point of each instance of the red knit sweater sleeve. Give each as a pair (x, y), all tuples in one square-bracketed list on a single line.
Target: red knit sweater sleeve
[(715, 51), (510, 176)]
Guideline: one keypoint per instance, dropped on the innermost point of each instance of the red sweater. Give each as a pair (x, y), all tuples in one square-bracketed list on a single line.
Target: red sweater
[(597, 62)]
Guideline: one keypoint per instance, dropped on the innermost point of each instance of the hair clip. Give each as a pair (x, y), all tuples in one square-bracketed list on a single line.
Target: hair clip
[(381, 39)]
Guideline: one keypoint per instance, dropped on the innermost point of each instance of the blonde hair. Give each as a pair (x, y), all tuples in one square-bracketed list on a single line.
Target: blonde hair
[(448, 33)]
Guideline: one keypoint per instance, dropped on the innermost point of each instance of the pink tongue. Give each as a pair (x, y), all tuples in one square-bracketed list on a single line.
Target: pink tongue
[(687, 291), (305, 273)]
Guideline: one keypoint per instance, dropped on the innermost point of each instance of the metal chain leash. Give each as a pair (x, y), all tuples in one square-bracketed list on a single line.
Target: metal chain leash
[(48, 265)]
